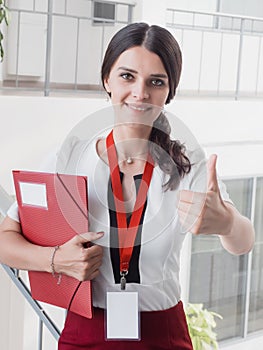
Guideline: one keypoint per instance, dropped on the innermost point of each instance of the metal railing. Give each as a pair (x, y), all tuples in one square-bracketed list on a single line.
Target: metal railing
[(214, 21), (223, 26), (43, 318), (42, 81), (233, 70)]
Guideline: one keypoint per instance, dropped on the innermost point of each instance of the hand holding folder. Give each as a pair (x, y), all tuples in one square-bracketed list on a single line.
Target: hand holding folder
[(53, 208)]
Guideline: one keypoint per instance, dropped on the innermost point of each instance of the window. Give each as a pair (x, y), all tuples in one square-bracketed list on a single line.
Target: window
[(218, 279), (256, 291), (104, 10)]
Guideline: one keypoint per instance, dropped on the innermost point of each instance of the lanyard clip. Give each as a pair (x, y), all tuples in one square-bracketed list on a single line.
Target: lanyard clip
[(123, 279)]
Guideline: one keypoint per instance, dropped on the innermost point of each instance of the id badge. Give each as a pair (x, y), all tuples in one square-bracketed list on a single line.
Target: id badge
[(122, 316)]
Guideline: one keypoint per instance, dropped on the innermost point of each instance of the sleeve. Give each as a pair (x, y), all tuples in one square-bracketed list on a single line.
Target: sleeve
[(68, 155), (48, 165), (12, 212)]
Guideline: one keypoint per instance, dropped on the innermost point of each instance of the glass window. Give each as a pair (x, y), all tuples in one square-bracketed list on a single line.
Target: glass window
[(218, 278), (103, 10), (256, 292)]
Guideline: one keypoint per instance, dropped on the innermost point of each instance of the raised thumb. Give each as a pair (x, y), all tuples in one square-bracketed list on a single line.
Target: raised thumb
[(212, 184)]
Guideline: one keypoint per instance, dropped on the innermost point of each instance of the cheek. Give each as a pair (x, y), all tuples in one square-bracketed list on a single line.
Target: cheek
[(161, 97), (120, 91)]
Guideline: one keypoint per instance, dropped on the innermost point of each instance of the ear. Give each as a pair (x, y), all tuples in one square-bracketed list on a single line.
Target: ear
[(107, 86)]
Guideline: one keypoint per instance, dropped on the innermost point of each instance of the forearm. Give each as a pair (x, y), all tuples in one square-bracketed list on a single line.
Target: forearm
[(73, 258), (17, 252), (240, 237)]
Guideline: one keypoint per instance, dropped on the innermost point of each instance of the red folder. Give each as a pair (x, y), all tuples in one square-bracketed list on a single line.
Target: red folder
[(53, 208)]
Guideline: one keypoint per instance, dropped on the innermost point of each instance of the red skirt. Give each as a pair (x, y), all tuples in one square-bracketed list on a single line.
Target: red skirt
[(166, 329)]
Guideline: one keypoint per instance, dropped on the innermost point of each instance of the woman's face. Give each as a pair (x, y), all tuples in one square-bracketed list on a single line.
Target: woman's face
[(138, 84)]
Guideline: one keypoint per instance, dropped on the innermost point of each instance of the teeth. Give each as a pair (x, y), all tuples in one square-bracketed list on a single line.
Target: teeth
[(138, 108)]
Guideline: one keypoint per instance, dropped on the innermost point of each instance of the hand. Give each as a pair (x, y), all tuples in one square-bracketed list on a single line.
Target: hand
[(205, 213), (76, 259)]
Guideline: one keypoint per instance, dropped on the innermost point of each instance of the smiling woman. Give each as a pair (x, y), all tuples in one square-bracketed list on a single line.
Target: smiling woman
[(149, 60), (144, 195)]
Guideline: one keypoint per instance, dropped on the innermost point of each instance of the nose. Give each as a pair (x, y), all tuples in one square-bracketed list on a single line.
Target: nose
[(140, 91)]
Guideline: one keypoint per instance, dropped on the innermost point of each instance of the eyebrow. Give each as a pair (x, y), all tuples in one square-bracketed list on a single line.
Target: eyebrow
[(157, 75)]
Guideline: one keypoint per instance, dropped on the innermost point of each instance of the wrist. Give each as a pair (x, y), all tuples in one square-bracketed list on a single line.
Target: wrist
[(43, 255), (56, 274)]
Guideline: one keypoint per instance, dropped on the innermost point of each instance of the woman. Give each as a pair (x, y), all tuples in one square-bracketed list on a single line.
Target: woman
[(140, 72)]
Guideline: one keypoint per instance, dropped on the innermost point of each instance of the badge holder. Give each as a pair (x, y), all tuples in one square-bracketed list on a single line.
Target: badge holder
[(122, 314), (122, 317)]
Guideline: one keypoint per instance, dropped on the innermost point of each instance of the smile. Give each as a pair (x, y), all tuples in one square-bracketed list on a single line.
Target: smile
[(138, 108)]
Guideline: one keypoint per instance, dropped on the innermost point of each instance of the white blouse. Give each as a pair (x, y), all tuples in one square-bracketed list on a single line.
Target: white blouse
[(162, 234)]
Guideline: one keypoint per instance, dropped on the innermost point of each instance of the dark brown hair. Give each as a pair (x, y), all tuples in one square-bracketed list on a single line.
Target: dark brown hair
[(169, 154)]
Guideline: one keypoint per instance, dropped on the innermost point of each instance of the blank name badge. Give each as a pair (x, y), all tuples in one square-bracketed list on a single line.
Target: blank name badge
[(122, 316)]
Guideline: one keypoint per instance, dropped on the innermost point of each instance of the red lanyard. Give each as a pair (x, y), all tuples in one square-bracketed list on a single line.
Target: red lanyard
[(126, 234)]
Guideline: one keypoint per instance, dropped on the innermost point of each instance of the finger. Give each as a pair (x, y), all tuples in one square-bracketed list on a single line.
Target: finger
[(189, 222), (93, 266), (212, 184), (88, 237), (94, 251), (88, 275), (96, 264), (191, 197), (89, 264), (191, 209), (186, 196), (191, 202), (92, 275)]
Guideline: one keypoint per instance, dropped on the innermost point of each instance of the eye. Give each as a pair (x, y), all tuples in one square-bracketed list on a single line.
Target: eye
[(127, 76), (157, 82)]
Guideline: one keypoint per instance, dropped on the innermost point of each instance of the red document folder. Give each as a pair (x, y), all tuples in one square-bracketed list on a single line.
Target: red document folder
[(53, 209)]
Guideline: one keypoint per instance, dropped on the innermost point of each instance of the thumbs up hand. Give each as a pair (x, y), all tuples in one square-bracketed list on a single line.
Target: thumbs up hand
[(205, 213)]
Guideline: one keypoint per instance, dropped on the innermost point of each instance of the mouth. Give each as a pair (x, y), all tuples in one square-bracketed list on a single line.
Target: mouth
[(138, 107)]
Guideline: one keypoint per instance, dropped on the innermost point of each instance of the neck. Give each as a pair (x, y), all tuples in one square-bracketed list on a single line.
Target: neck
[(131, 143), (131, 131)]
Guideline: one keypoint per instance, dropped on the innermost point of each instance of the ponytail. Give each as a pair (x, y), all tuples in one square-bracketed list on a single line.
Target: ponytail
[(168, 154)]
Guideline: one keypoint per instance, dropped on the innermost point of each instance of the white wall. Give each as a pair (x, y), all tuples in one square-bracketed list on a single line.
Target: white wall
[(31, 127), (232, 129), (200, 5)]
